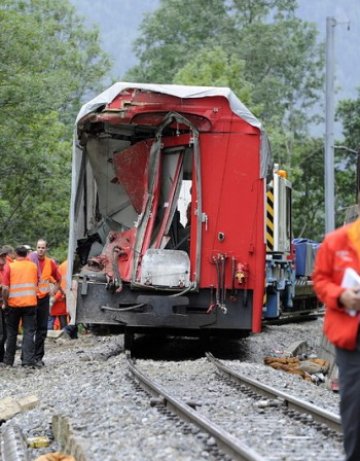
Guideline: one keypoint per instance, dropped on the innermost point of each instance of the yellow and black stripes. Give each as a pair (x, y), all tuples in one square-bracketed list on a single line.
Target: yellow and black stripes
[(270, 220)]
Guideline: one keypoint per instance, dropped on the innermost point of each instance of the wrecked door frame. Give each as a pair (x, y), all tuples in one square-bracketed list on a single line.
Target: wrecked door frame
[(153, 171)]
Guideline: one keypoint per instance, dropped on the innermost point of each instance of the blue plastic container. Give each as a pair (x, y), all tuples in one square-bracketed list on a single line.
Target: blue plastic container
[(305, 252)]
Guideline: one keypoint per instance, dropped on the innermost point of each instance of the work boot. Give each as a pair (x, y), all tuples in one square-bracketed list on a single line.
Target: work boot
[(32, 366)]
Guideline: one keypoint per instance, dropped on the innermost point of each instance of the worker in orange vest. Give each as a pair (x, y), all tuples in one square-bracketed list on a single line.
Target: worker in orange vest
[(3, 253), (20, 283), (48, 273), (58, 308)]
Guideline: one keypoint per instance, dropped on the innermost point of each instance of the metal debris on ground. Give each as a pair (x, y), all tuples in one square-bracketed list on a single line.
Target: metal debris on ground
[(38, 442), (311, 369)]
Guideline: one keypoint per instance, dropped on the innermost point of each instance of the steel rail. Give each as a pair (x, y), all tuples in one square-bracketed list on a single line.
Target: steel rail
[(238, 450), (322, 416), (13, 445), (285, 319)]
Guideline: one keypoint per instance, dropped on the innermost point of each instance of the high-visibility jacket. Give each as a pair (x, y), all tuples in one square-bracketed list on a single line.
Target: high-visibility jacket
[(1, 282), (339, 250), (45, 279), (59, 305), (63, 271), (23, 284)]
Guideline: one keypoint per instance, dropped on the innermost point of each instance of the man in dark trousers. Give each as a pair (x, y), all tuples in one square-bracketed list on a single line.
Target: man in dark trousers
[(20, 283), (48, 273), (339, 254)]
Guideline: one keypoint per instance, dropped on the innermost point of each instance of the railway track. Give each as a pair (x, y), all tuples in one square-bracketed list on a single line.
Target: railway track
[(112, 418), (291, 403), (285, 319), (291, 428), (226, 442)]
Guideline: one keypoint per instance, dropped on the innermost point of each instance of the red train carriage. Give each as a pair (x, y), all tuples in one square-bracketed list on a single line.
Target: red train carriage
[(168, 221)]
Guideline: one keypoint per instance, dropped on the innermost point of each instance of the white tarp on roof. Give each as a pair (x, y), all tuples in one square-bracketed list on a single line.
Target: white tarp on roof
[(180, 91)]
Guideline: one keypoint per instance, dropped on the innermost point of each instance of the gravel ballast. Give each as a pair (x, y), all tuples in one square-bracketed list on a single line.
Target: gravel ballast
[(87, 381)]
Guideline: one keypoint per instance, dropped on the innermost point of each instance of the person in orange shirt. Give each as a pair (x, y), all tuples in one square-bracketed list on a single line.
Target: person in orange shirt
[(48, 273), (341, 250), (20, 283), (58, 308), (10, 253), (3, 253)]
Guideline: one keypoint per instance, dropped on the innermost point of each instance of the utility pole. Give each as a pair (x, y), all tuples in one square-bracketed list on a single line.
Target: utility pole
[(329, 126)]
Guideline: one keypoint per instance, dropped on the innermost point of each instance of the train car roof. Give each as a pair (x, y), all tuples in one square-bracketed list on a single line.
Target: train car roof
[(180, 91)]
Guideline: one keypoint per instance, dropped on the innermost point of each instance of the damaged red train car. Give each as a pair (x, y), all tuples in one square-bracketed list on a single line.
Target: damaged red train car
[(167, 212)]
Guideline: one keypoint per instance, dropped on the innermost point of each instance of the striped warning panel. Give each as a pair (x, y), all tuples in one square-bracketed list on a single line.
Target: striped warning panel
[(270, 220)]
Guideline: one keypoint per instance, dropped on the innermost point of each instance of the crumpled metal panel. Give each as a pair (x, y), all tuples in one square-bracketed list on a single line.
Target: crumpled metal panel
[(131, 167), (166, 268)]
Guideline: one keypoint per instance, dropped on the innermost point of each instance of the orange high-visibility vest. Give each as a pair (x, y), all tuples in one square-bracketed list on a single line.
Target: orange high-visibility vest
[(1, 282), (45, 279), (23, 284), (59, 305), (63, 271)]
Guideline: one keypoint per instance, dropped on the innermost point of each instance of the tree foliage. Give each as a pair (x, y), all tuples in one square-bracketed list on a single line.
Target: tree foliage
[(268, 56), (349, 113), (216, 68), (348, 152), (48, 60), (281, 58), (307, 176), (171, 36)]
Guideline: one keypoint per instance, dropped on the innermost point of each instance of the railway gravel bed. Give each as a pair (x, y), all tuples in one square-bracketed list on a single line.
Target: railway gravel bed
[(242, 415), (86, 380)]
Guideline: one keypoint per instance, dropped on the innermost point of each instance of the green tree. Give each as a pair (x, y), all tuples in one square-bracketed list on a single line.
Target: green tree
[(172, 35), (281, 57), (268, 56), (214, 67), (347, 156), (48, 63), (349, 113), (307, 177)]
